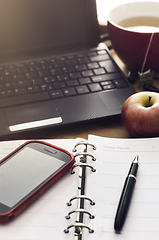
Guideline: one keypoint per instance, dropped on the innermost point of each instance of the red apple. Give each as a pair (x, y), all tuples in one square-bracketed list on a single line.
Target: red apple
[(140, 114)]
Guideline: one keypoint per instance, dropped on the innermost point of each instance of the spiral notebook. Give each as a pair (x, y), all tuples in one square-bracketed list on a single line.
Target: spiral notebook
[(82, 204)]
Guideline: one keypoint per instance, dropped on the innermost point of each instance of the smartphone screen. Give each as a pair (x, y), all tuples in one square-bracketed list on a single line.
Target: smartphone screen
[(26, 170)]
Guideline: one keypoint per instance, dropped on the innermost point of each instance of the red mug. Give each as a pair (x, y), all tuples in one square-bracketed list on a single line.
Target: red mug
[(134, 32)]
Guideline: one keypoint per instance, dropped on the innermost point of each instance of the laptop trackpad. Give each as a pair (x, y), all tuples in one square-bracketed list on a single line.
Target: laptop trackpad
[(32, 115)]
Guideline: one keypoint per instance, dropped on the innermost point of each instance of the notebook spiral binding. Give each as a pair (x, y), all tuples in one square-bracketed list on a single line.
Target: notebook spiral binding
[(80, 211)]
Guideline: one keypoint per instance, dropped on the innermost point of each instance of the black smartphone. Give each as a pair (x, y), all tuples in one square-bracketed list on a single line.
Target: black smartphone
[(27, 172)]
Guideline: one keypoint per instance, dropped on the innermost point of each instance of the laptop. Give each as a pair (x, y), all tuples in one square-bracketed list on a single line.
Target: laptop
[(53, 69)]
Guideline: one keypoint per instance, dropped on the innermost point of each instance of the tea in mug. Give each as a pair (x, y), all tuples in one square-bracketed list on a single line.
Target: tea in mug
[(141, 24)]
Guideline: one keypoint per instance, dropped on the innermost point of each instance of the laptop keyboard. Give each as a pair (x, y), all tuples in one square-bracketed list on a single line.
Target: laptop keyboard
[(52, 78)]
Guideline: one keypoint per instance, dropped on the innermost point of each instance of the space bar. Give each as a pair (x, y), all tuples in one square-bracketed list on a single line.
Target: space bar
[(21, 99)]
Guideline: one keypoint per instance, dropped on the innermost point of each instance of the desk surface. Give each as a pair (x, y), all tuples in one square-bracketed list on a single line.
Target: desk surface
[(106, 128)]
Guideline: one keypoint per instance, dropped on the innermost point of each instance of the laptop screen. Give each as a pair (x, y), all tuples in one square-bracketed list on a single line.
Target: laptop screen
[(46, 24)]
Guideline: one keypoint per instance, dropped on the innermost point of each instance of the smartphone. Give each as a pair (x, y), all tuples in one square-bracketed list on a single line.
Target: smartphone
[(27, 172)]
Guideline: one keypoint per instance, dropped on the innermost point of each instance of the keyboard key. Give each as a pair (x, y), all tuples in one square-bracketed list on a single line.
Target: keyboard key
[(12, 69), (4, 79), (55, 71), (56, 94), (107, 85), (92, 65), (36, 81), (69, 91), (34, 66), (31, 63), (101, 52), (84, 80), (49, 79), (62, 77), (6, 72), (30, 75), (80, 55), (105, 77), (46, 87), (21, 68), (92, 54), (10, 85), (75, 75), (95, 87), (20, 91), (72, 83), (70, 62), (6, 93), (100, 78), (53, 60), (1, 87), (50, 65), (81, 67), (83, 60), (44, 73), (71, 57), (44, 64), (99, 58), (23, 83), (87, 73), (99, 71), (33, 89), (18, 77), (82, 89), (108, 65), (68, 69), (59, 85), (61, 62)]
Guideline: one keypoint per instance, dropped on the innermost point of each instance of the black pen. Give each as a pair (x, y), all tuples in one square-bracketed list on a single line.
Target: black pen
[(126, 195)]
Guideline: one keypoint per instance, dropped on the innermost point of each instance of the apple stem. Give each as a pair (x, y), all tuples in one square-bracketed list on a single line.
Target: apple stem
[(149, 99), (148, 103)]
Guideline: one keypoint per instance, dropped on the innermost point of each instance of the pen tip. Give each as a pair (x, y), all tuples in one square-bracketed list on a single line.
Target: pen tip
[(136, 159)]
